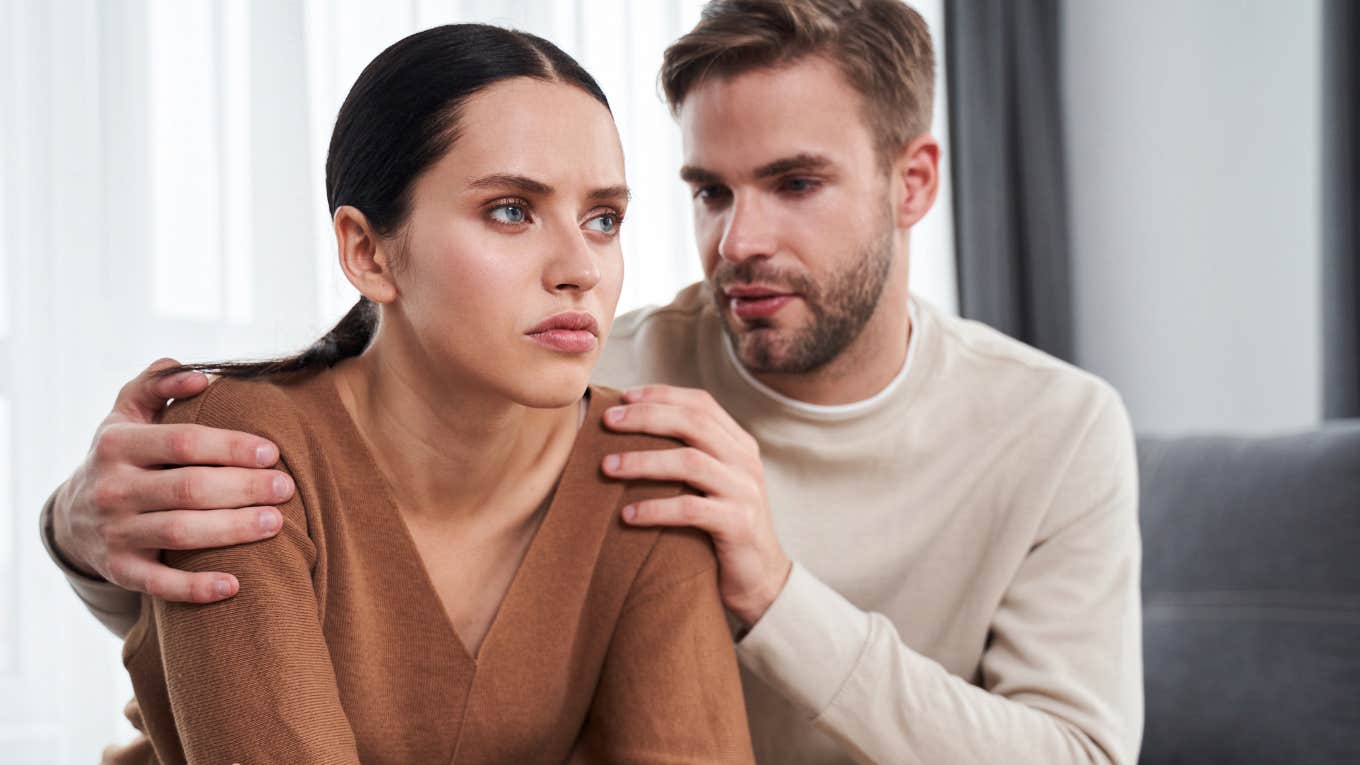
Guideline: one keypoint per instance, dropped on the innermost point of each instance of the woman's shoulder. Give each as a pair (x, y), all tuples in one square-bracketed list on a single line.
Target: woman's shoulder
[(282, 409), (601, 399), (672, 554), (599, 441)]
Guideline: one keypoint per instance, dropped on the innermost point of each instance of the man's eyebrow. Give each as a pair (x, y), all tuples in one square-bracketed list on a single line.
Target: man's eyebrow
[(611, 194), (521, 183), (805, 162), (692, 174)]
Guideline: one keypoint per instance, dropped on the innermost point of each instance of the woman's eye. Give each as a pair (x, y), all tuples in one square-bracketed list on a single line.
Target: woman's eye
[(605, 224), (512, 214)]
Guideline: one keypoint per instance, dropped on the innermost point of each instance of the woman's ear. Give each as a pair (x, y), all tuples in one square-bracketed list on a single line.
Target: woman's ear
[(916, 173), (364, 256)]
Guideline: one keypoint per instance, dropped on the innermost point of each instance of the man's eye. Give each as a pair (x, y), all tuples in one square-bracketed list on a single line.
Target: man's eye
[(709, 193), (800, 184), (511, 214)]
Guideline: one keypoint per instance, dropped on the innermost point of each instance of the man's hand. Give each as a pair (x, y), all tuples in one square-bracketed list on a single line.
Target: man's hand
[(722, 461), (120, 508)]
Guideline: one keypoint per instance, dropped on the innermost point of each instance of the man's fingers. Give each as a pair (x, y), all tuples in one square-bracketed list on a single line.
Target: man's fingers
[(159, 580), (199, 529), (206, 488), (661, 419), (144, 395), (183, 444), (181, 385), (686, 465), (691, 400), (683, 510)]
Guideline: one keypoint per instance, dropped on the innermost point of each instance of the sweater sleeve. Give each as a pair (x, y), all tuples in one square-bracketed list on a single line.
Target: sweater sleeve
[(114, 607), (250, 679), (670, 690), (1061, 676)]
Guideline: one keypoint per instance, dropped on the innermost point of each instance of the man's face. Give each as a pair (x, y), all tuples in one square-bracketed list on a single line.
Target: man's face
[(792, 211)]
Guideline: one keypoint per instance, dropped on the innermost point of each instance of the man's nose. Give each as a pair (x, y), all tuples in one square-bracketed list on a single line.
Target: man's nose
[(747, 233)]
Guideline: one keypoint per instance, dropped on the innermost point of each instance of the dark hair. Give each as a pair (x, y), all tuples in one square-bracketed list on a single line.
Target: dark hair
[(400, 117)]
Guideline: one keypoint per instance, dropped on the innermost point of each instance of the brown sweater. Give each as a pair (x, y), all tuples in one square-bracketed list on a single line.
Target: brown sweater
[(610, 645)]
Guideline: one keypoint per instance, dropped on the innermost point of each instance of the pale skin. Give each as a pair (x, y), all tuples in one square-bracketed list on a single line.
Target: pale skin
[(468, 417), (470, 421), (785, 176)]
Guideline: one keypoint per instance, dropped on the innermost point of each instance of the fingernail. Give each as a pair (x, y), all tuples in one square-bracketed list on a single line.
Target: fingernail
[(172, 383), (630, 513), (611, 463), (222, 587), (264, 455), (281, 486), (633, 394), (269, 521), (614, 413)]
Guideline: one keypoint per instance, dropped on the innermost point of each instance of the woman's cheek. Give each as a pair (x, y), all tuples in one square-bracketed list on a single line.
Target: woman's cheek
[(613, 282)]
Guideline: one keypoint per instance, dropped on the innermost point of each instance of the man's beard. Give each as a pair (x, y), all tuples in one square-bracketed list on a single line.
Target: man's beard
[(840, 307)]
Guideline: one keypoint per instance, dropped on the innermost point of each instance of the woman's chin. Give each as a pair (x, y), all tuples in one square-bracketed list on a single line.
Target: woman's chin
[(552, 390)]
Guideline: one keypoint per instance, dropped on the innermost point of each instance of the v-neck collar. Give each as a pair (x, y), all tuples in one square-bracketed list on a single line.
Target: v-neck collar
[(391, 513)]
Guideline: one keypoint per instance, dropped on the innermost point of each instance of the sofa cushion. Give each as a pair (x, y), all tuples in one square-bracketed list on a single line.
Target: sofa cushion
[(1251, 594)]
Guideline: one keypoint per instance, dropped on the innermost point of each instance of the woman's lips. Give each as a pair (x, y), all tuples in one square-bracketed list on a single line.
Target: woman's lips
[(568, 332), (756, 306), (565, 340)]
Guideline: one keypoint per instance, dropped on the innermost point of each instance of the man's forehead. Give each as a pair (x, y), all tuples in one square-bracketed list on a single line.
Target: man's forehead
[(770, 149), (741, 123)]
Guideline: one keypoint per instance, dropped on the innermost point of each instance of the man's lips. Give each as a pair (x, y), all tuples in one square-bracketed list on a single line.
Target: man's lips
[(750, 303), (568, 332)]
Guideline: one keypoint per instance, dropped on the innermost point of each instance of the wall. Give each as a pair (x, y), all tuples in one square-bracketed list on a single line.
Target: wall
[(1194, 167)]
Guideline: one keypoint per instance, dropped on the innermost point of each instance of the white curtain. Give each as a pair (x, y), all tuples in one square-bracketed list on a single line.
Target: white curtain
[(162, 195)]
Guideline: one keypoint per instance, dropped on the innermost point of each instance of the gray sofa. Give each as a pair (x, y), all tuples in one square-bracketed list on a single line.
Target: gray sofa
[(1251, 596)]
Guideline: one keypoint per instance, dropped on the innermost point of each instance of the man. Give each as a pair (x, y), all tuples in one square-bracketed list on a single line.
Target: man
[(926, 532)]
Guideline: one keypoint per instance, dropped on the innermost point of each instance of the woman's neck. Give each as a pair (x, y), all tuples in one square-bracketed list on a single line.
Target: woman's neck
[(450, 449)]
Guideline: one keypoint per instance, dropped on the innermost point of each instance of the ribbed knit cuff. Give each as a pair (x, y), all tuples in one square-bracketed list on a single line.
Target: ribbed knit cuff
[(807, 643), (113, 606), (49, 538)]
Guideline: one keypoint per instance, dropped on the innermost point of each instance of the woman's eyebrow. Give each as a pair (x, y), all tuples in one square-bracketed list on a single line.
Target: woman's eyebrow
[(526, 185), (618, 193), (521, 183)]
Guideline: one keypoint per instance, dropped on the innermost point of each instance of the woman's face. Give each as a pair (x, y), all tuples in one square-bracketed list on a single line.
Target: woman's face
[(510, 267)]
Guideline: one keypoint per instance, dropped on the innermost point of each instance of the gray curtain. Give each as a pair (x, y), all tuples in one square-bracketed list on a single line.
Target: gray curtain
[(1341, 209), (1006, 145)]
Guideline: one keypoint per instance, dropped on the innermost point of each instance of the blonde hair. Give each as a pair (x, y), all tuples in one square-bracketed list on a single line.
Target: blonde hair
[(882, 47)]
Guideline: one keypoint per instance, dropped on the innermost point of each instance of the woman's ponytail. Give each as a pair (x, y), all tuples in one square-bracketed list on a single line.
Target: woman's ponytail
[(348, 338)]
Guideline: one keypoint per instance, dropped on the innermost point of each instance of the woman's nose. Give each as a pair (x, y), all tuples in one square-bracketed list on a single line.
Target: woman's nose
[(574, 264)]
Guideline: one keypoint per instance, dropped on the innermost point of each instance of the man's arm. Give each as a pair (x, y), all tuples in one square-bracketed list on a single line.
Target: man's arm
[(1062, 673), (107, 524), (247, 680)]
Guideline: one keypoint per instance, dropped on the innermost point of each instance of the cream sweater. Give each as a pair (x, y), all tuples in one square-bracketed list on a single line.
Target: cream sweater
[(966, 547), (965, 587)]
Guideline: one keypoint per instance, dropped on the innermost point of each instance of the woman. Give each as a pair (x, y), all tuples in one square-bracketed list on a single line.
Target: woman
[(452, 582)]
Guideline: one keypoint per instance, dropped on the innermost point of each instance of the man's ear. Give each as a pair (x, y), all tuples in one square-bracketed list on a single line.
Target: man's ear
[(364, 256), (916, 178)]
